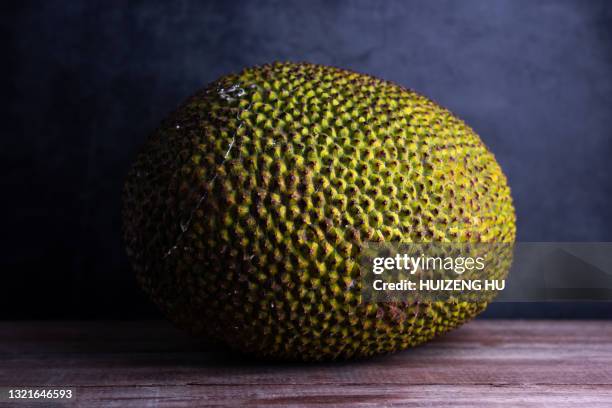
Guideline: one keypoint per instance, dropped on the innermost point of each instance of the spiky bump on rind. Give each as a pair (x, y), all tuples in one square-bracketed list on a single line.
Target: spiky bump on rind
[(245, 212)]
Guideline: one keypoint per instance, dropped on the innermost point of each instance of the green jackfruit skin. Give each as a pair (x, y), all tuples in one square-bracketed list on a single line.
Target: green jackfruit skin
[(246, 210)]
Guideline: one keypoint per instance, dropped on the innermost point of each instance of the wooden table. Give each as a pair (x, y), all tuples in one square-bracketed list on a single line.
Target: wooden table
[(485, 363)]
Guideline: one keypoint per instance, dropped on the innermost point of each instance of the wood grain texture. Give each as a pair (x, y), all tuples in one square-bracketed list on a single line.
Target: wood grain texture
[(485, 363)]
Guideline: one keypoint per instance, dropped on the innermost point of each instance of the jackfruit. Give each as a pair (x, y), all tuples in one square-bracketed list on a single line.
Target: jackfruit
[(245, 212)]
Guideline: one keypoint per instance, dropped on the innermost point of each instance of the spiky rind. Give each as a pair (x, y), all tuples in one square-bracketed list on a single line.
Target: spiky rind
[(245, 213)]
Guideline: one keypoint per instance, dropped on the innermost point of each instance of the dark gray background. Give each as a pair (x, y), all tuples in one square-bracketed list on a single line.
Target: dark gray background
[(85, 82)]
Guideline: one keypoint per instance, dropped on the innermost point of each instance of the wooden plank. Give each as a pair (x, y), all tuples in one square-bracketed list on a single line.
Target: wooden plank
[(353, 395), (485, 363)]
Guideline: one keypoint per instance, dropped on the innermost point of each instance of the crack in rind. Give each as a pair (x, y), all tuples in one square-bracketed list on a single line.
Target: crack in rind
[(229, 95)]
